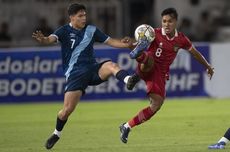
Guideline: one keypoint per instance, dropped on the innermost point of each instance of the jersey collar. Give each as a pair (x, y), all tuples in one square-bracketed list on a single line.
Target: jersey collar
[(163, 33), (71, 25)]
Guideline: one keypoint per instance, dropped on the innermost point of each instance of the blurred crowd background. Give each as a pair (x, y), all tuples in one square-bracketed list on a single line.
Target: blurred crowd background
[(200, 20)]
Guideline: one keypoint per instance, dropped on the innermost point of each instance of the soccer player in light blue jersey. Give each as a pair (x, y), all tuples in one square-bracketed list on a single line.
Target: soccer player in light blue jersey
[(79, 64)]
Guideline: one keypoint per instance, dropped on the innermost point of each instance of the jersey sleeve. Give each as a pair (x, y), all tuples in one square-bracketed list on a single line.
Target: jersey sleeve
[(100, 36), (187, 44), (58, 34)]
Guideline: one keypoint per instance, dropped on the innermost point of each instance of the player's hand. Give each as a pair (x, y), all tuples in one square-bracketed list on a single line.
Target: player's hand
[(39, 36), (129, 41), (210, 71), (126, 39)]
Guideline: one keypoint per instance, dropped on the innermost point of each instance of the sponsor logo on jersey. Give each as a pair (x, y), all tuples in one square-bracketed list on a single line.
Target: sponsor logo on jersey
[(72, 35)]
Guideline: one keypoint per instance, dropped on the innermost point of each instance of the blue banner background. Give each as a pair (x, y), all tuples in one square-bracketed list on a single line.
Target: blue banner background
[(35, 74)]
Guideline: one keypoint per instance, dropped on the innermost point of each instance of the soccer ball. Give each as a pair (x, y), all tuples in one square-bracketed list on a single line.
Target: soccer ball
[(144, 32)]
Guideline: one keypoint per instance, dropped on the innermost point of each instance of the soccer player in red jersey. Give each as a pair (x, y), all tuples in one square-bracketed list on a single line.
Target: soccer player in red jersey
[(153, 66)]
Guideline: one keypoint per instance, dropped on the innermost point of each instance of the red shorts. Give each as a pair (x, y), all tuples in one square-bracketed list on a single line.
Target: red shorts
[(155, 80)]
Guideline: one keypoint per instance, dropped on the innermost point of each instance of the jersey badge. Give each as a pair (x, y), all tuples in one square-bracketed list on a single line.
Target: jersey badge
[(160, 45)]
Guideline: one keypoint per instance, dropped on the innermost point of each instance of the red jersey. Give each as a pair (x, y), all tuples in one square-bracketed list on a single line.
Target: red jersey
[(164, 49)]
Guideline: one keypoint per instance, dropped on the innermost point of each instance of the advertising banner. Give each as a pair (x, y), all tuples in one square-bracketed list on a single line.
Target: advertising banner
[(35, 74), (187, 76)]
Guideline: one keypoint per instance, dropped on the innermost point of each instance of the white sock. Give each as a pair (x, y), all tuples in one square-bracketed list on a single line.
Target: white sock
[(127, 125), (58, 133), (223, 139), (126, 79)]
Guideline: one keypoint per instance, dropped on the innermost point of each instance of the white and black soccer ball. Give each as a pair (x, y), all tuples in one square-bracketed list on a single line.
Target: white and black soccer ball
[(144, 32)]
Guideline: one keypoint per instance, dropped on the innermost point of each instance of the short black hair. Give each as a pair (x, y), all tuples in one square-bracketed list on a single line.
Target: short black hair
[(74, 8), (171, 12)]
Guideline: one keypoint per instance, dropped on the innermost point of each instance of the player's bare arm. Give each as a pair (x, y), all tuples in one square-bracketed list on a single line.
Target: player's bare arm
[(126, 42), (39, 36), (199, 57)]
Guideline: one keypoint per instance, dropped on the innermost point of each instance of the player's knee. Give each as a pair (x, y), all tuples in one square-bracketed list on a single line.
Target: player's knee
[(148, 66), (145, 68), (111, 66)]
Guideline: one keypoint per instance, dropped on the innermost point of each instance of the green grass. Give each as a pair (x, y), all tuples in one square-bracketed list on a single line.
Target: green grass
[(182, 125)]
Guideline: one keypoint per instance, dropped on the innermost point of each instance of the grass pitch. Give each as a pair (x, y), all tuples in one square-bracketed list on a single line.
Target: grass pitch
[(182, 125)]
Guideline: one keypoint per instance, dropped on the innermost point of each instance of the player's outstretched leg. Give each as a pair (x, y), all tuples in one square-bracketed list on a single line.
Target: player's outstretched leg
[(132, 81), (220, 145), (124, 133), (141, 46)]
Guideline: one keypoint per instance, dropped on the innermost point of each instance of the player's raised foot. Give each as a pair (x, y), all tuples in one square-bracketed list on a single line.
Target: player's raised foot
[(220, 145), (124, 133), (132, 81), (141, 46), (51, 141)]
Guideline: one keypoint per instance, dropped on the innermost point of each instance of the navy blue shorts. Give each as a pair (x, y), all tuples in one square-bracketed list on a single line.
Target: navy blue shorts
[(81, 77)]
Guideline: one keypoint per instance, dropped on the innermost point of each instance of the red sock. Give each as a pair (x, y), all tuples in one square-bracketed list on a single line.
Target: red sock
[(141, 117), (143, 58)]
